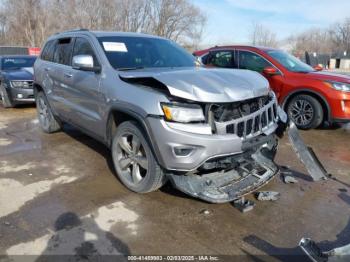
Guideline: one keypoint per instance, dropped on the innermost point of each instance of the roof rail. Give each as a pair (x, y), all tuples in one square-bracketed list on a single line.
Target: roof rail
[(73, 30)]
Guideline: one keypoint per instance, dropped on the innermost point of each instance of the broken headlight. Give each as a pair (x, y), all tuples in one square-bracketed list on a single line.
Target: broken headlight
[(184, 113), (345, 87)]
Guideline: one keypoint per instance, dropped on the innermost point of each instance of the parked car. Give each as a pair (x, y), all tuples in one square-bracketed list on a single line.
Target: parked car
[(211, 132), (16, 80), (309, 96)]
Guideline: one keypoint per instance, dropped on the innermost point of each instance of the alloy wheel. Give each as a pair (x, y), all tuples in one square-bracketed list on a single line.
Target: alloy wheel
[(43, 112), (131, 158), (302, 112)]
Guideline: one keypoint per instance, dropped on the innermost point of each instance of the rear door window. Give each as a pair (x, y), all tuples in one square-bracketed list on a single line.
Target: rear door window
[(224, 59), (252, 61), (44, 52), (47, 53), (63, 51)]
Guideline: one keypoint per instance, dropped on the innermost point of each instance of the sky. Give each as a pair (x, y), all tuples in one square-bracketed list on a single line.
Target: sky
[(229, 21)]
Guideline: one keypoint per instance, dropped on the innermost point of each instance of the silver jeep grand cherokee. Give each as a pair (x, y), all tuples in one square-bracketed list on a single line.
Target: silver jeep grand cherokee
[(211, 132)]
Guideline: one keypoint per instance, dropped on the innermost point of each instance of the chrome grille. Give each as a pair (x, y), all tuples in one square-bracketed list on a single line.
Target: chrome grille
[(29, 85), (252, 124), (25, 84)]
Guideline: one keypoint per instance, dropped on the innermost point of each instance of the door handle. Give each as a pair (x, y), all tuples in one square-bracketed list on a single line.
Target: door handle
[(68, 75)]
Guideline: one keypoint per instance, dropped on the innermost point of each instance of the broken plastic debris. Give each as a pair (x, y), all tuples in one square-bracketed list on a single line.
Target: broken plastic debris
[(306, 155), (289, 179), (315, 253), (312, 250), (267, 196), (243, 205)]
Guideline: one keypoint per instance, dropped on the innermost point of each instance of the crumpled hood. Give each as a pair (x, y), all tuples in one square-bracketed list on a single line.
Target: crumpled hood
[(206, 85), (19, 74)]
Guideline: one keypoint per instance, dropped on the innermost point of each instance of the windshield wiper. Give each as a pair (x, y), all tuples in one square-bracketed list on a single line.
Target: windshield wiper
[(130, 68)]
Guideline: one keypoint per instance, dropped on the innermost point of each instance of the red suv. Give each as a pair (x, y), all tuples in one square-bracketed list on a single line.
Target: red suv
[(309, 96)]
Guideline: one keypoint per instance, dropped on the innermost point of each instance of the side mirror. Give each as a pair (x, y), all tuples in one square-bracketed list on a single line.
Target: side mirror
[(84, 63), (270, 70), (318, 67)]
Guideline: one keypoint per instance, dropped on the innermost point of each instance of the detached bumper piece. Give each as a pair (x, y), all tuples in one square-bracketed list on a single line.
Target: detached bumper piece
[(306, 155), (252, 171), (314, 252), (243, 205)]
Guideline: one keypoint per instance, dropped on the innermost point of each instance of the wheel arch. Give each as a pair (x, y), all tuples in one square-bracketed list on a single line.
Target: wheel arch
[(320, 98), (37, 88), (121, 113)]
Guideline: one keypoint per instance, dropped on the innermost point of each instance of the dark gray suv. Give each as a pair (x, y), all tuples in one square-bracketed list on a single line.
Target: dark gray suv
[(16, 80), (211, 132)]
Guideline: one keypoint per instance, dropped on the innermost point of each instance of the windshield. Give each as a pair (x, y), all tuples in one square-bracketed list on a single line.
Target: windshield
[(290, 62), (17, 62), (126, 53)]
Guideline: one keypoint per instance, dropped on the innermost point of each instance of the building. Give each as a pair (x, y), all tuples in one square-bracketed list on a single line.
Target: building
[(340, 61)]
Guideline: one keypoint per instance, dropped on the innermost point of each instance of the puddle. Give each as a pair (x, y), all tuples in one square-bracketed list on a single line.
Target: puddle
[(20, 137), (20, 147)]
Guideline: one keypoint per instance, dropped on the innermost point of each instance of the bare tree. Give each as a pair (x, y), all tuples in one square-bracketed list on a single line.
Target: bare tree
[(176, 19), (25, 18), (330, 40), (340, 35), (260, 35), (134, 16), (30, 22), (313, 40)]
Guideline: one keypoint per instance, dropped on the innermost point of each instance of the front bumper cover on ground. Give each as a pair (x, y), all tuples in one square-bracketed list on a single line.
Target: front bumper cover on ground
[(306, 155)]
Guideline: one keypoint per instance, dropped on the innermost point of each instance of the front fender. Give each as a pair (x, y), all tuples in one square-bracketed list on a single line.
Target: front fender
[(140, 115)]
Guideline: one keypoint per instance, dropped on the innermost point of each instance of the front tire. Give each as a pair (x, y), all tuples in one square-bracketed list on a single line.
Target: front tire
[(6, 102), (49, 124), (305, 111), (134, 161)]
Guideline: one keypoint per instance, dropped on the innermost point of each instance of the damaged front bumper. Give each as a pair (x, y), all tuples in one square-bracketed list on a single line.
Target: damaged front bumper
[(249, 170)]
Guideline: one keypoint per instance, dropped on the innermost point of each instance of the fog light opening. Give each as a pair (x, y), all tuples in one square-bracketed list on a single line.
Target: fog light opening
[(183, 151), (19, 96)]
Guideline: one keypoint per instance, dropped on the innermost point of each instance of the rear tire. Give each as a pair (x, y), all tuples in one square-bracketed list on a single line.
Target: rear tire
[(6, 102), (134, 161), (49, 124), (305, 111)]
